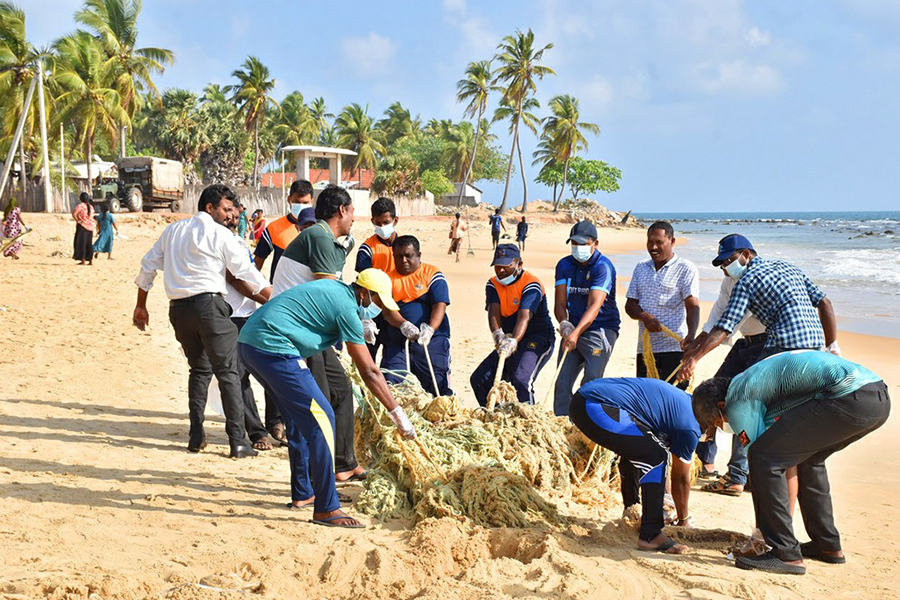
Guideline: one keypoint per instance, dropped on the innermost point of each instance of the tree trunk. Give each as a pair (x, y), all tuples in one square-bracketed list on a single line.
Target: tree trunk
[(22, 176), (562, 190), (512, 154), (256, 154), (462, 188), (524, 180), (121, 141), (90, 148)]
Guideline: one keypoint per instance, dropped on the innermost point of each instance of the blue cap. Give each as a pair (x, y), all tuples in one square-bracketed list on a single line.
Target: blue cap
[(730, 244), (307, 216), (505, 254), (582, 233)]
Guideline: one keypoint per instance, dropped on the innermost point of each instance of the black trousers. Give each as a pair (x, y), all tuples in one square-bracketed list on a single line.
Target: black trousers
[(643, 458), (204, 329), (665, 364), (83, 245), (804, 437), (252, 423), (326, 369), (273, 417)]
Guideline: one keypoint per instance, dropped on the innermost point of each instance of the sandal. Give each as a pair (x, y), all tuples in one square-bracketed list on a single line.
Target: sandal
[(704, 474), (770, 563), (262, 444), (724, 487), (277, 433), (810, 550)]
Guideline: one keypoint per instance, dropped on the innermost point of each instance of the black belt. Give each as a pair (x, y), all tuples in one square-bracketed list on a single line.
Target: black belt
[(755, 339), (190, 299)]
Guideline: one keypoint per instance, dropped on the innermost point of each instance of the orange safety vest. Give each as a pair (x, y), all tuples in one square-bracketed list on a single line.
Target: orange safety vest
[(511, 295), (408, 288), (382, 254)]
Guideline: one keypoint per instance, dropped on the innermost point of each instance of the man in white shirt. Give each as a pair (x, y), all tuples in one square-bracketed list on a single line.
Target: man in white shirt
[(194, 255)]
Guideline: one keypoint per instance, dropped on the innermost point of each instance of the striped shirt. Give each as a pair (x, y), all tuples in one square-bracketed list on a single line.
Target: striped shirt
[(772, 387), (662, 294), (783, 298)]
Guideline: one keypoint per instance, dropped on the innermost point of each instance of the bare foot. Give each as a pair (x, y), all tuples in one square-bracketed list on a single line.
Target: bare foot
[(343, 518), (262, 444), (661, 540), (345, 475)]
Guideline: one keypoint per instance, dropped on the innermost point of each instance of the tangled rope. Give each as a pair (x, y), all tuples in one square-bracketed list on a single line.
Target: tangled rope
[(650, 361)]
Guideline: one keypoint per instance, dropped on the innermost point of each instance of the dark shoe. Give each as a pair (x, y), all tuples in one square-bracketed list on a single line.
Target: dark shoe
[(770, 563), (196, 443), (810, 550), (242, 451)]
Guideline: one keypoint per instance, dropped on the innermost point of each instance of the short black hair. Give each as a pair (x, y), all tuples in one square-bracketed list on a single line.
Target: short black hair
[(407, 240), (496, 211), (213, 194), (84, 197), (301, 187), (330, 201), (706, 398), (665, 226), (457, 215), (384, 205)]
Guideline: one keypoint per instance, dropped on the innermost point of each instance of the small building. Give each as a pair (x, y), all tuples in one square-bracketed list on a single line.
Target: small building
[(471, 196)]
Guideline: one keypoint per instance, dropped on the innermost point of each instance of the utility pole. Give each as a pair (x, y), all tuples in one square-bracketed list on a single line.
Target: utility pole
[(45, 153)]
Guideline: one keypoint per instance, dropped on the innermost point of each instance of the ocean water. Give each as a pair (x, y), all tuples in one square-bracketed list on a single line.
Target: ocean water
[(853, 256)]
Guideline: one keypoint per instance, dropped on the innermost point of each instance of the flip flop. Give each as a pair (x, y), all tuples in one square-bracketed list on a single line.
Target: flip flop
[(704, 474), (356, 477), (809, 550), (720, 486), (328, 522), (292, 506), (663, 548), (768, 562)]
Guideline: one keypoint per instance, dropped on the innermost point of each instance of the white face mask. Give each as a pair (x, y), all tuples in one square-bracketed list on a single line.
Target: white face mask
[(726, 426), (296, 208), (582, 253), (736, 270), (509, 278), (385, 231)]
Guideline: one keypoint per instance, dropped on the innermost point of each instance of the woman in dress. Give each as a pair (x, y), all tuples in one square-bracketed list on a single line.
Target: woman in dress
[(107, 224), (259, 224), (243, 224), (84, 230), (13, 225)]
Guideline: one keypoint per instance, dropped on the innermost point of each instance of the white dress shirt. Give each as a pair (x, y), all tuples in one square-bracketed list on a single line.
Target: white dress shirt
[(194, 255), (662, 293), (241, 305), (749, 325)]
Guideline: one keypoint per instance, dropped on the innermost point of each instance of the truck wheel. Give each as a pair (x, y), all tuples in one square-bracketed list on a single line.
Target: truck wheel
[(177, 206), (114, 204), (134, 199)]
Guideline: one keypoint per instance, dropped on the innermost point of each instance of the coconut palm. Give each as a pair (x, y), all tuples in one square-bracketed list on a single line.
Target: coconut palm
[(319, 114), (475, 89), (564, 132), (459, 150), (356, 131), (252, 97), (399, 124), (438, 127), (519, 70), (114, 23), (296, 125), (545, 155), (517, 116)]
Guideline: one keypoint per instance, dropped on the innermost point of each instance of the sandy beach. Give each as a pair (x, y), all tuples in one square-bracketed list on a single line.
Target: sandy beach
[(100, 499)]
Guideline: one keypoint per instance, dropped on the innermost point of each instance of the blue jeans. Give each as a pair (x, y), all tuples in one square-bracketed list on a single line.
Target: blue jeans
[(588, 355)]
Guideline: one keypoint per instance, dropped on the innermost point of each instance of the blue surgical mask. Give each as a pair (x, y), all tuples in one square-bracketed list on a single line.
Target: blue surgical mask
[(296, 208), (385, 232), (736, 270), (582, 253), (369, 312), (509, 279)]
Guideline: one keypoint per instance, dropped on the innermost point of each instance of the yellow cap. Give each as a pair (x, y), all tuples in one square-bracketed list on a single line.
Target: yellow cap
[(377, 281)]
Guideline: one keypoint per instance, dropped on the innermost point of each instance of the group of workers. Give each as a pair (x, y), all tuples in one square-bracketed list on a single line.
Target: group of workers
[(790, 411)]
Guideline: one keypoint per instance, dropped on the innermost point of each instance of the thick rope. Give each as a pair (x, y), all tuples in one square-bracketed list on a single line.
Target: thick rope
[(649, 360)]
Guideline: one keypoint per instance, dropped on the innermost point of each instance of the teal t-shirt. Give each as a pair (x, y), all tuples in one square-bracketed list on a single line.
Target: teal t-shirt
[(305, 320), (770, 388)]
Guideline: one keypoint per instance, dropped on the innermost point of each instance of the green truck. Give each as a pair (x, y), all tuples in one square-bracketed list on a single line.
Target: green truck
[(145, 183)]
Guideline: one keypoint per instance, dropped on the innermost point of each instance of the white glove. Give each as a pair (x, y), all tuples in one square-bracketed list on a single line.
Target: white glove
[(565, 328), (404, 425), (409, 330), (370, 330), (498, 336), (834, 348), (508, 346), (425, 333)]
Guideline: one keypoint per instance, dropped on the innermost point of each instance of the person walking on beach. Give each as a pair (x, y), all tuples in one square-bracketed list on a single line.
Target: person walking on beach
[(521, 233), (795, 409), (458, 229), (107, 224), (519, 321), (84, 230), (643, 421), (496, 221), (664, 290), (13, 226), (796, 313), (194, 255), (585, 306)]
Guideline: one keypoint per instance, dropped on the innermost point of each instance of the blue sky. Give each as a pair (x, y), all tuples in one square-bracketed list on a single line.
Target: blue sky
[(704, 104)]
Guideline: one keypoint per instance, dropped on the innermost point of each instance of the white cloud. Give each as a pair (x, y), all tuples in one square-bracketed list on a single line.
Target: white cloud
[(756, 37), (477, 37), (369, 56), (598, 93), (739, 76)]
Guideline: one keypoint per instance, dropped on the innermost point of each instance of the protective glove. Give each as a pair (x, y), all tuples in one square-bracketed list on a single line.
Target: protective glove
[(370, 330), (834, 348), (498, 336), (409, 330), (404, 425), (508, 346), (425, 333), (565, 328)]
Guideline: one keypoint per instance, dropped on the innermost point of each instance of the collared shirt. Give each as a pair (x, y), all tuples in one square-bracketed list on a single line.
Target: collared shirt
[(194, 255), (772, 387), (305, 320), (525, 293), (241, 305), (597, 273), (783, 298), (748, 326), (314, 252), (375, 253), (662, 294), (275, 238), (416, 294)]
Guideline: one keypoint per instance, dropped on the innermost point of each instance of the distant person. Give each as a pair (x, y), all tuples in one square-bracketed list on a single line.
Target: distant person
[(107, 224), (242, 224), (84, 230), (521, 233), (458, 229), (376, 251), (664, 290), (13, 226), (259, 224), (496, 221)]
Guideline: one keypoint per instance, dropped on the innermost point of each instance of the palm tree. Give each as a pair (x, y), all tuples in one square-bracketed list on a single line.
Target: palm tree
[(545, 155), (517, 117), (319, 114), (295, 126), (253, 100), (438, 127), (356, 131), (88, 99), (399, 124), (459, 150), (114, 22), (565, 134), (475, 89), (519, 70)]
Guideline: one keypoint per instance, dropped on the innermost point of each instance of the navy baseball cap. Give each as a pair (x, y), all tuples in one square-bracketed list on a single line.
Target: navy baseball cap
[(505, 254), (730, 244), (582, 233), (307, 216)]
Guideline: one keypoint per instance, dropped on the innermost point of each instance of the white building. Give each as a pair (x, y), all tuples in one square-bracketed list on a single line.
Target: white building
[(471, 196)]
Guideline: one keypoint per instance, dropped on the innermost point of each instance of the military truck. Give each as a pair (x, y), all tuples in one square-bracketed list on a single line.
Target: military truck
[(144, 183)]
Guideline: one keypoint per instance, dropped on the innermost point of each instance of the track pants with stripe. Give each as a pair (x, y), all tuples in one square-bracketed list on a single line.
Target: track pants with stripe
[(642, 457), (520, 369), (308, 421)]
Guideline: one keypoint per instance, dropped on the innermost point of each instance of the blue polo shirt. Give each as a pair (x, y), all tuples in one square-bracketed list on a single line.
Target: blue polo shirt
[(662, 407), (495, 223), (598, 273)]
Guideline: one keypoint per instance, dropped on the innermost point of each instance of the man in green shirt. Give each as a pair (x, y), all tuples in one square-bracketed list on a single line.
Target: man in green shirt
[(275, 343)]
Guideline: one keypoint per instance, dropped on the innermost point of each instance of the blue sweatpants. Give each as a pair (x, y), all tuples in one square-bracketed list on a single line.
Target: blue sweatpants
[(308, 420), (520, 369), (393, 358)]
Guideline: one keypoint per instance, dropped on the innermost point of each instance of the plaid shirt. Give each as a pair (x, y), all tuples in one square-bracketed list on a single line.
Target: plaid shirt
[(783, 298)]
